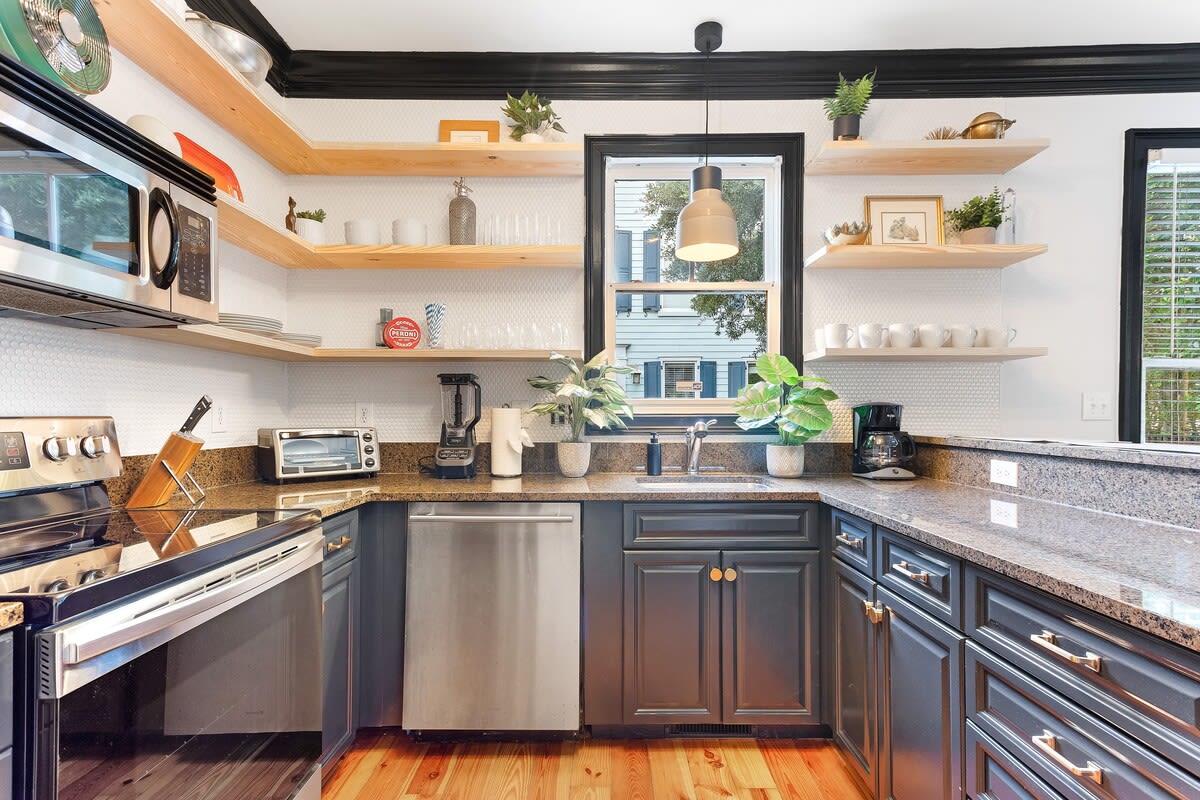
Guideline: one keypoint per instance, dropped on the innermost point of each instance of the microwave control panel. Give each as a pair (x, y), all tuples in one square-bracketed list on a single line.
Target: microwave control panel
[(195, 255)]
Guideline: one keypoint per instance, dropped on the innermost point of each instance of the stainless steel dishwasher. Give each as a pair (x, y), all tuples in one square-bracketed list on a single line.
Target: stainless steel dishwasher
[(492, 617)]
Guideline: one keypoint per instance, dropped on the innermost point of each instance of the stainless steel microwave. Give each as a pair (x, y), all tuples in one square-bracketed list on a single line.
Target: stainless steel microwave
[(291, 453), (99, 227)]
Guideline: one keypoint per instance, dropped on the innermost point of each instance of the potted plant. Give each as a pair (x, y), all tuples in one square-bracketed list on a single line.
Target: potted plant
[(977, 219), (311, 225), (798, 412), (531, 118), (588, 395), (848, 104)]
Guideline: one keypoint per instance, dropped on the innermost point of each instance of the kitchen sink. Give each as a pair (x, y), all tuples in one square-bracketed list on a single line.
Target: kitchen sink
[(714, 483)]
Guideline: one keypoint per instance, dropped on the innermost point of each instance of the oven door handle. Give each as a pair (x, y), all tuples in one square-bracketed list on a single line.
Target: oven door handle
[(80, 651)]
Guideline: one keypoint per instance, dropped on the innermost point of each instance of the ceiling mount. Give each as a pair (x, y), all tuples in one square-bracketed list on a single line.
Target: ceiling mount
[(708, 37)]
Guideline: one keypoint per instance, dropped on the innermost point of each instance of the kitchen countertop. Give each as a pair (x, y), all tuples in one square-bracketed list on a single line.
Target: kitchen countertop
[(1145, 574), (11, 615)]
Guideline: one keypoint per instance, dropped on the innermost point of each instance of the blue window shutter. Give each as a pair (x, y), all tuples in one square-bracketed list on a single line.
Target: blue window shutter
[(651, 255), (652, 379), (623, 258), (708, 377), (737, 377)]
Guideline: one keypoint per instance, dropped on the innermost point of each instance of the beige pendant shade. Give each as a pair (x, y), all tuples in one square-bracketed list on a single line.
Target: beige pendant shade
[(707, 229)]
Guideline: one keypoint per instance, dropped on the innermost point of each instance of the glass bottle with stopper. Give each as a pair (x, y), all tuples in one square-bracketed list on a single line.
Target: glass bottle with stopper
[(462, 215)]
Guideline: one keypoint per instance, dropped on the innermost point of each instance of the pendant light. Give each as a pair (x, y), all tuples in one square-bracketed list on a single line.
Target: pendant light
[(707, 229)]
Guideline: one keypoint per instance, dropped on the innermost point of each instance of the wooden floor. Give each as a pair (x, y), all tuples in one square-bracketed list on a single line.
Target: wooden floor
[(387, 765)]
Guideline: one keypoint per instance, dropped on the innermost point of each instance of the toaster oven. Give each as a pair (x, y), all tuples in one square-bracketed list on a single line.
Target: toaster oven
[(292, 453)]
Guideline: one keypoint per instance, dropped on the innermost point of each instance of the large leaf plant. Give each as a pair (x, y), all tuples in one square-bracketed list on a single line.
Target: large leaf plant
[(798, 412), (530, 114), (588, 395)]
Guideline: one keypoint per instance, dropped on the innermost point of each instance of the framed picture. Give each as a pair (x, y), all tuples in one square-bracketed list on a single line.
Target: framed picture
[(469, 131), (905, 220)]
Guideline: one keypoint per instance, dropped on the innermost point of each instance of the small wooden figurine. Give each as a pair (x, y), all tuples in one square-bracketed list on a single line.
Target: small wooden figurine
[(290, 220)]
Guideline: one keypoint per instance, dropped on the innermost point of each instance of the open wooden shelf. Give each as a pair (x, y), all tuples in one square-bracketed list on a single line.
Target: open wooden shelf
[(158, 41), (242, 227), (915, 256), (230, 340), (923, 157), (925, 353)]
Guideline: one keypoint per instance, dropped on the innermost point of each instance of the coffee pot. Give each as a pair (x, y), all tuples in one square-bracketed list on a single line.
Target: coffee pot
[(881, 450)]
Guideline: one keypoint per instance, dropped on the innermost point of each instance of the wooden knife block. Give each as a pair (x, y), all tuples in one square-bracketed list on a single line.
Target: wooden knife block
[(157, 485)]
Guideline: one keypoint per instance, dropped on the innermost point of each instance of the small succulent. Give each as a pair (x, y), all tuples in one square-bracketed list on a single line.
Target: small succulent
[(850, 99), (318, 215), (850, 228), (530, 114), (944, 132)]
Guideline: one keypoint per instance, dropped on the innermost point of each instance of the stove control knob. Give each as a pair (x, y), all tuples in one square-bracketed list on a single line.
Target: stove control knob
[(59, 448), (370, 462), (95, 446), (59, 585), (366, 437), (369, 449)]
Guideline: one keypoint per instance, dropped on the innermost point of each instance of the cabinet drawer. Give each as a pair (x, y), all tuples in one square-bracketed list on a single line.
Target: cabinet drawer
[(993, 774), (1076, 753), (929, 578), (853, 541), (341, 539), (1143, 686), (669, 525)]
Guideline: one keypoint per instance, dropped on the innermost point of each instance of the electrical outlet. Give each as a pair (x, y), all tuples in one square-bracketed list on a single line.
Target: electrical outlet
[(364, 414), (1097, 405), (1004, 472), (216, 418), (1004, 513)]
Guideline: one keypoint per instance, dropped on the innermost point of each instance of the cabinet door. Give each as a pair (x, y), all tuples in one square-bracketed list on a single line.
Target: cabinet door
[(672, 631), (337, 664), (921, 705), (855, 677), (769, 637)]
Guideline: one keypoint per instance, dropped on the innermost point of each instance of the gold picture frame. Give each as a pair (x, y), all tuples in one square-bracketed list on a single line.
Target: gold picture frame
[(904, 220), (469, 131)]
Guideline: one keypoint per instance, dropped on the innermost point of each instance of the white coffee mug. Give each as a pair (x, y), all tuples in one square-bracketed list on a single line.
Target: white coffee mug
[(409, 231), (998, 335), (931, 334), (870, 334), (901, 334), (362, 231), (963, 335), (838, 334)]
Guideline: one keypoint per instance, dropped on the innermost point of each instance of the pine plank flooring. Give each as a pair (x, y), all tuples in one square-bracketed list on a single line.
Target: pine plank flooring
[(388, 765)]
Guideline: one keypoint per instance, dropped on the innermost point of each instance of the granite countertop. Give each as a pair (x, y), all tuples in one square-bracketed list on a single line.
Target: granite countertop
[(11, 615), (1145, 574)]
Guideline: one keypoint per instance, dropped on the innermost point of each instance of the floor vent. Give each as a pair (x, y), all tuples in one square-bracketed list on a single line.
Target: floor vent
[(708, 729)]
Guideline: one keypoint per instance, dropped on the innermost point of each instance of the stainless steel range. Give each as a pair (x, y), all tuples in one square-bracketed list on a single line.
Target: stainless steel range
[(164, 653)]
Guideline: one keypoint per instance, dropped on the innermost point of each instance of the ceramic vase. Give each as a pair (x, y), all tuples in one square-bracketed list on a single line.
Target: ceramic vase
[(846, 127), (310, 230), (785, 460), (978, 236), (532, 138), (574, 458)]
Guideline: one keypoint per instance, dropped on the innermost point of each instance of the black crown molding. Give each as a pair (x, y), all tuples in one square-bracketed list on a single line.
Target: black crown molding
[(799, 75)]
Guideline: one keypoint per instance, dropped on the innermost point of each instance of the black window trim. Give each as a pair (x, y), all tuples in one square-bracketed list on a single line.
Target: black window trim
[(790, 146)]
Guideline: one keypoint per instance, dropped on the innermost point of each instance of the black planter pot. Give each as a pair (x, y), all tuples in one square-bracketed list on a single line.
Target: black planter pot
[(846, 127)]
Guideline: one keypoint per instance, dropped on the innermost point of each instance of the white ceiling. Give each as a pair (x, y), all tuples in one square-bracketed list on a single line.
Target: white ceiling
[(666, 26)]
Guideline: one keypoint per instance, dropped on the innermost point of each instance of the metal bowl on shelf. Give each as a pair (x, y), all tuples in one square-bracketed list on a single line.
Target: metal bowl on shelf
[(247, 57)]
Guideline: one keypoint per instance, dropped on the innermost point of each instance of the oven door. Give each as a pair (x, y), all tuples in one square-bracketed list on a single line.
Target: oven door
[(208, 688)]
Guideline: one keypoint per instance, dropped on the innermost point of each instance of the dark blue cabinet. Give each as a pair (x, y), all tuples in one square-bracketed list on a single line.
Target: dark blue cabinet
[(339, 620)]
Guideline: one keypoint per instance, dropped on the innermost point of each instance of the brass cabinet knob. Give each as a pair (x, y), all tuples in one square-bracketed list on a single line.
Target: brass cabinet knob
[(333, 547), (731, 574), (714, 574)]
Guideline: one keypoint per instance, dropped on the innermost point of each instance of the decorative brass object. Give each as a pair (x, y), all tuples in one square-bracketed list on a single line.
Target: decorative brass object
[(944, 132), (731, 574), (714, 574), (988, 125)]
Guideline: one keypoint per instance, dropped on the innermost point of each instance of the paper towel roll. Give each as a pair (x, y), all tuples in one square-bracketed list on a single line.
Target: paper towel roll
[(508, 439)]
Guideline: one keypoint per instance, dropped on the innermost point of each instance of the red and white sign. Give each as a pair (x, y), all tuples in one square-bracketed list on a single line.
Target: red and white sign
[(402, 333)]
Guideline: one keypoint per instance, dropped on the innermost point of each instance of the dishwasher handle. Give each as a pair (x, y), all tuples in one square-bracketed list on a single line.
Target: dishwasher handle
[(539, 518)]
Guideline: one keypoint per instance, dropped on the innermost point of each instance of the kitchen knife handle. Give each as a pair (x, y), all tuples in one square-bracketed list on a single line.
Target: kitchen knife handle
[(198, 412)]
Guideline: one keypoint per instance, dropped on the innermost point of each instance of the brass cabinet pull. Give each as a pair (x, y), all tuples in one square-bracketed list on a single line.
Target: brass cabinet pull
[(731, 574), (1049, 641), (714, 574), (905, 569), (849, 541), (874, 611), (333, 547), (1048, 744)]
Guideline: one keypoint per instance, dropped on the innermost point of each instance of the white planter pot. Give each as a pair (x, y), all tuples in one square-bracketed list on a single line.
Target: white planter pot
[(574, 458), (978, 236), (532, 138), (785, 461), (310, 230)]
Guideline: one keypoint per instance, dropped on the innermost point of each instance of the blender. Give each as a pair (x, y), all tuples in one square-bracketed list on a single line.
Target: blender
[(881, 450), (455, 457)]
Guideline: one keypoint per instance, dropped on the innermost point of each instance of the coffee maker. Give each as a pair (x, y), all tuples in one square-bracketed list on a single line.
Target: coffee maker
[(455, 457), (881, 450)]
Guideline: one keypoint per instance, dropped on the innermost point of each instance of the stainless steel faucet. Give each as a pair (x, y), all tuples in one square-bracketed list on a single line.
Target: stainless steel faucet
[(693, 436)]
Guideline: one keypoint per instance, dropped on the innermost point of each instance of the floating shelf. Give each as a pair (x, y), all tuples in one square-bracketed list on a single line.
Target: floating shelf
[(229, 340), (925, 354), (914, 256), (242, 227), (194, 71), (924, 157)]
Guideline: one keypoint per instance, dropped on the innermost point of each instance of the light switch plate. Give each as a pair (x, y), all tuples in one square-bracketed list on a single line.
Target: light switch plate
[(1004, 472), (1097, 406)]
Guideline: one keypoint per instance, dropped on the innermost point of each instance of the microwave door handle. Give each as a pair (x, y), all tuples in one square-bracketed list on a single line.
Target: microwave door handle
[(163, 271)]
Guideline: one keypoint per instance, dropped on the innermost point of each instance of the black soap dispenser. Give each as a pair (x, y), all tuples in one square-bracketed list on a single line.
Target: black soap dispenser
[(654, 456)]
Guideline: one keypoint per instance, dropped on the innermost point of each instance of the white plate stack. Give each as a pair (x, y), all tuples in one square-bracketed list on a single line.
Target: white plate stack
[(264, 326), (309, 339)]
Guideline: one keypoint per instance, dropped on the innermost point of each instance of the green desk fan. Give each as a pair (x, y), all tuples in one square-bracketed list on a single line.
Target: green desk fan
[(61, 39)]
